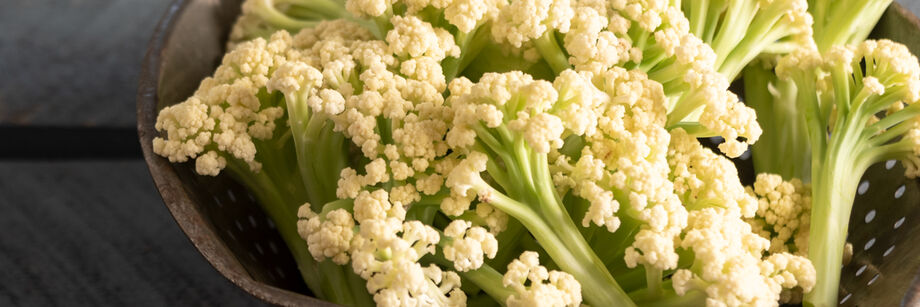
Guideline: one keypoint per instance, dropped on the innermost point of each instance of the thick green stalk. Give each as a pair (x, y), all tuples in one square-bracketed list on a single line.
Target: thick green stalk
[(598, 286), (309, 133), (835, 174), (784, 126), (325, 279), (668, 298), (696, 11), (686, 105), (305, 132), (845, 23), (279, 19), (818, 10), (736, 24), (490, 281), (485, 277), (833, 190), (471, 44), (552, 52), (746, 50), (329, 8)]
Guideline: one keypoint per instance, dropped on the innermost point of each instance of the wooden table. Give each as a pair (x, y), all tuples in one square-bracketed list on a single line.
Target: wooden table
[(81, 221)]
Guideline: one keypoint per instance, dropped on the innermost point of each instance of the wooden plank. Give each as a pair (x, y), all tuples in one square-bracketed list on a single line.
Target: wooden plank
[(97, 233), (73, 62)]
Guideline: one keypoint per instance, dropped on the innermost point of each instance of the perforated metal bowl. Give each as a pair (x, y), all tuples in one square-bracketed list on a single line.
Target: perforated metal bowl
[(227, 226)]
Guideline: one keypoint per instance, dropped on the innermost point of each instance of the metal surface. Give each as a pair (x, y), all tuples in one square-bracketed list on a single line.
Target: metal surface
[(220, 218), (229, 229)]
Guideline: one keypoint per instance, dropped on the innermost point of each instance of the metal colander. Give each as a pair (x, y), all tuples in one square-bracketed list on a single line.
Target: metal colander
[(227, 226)]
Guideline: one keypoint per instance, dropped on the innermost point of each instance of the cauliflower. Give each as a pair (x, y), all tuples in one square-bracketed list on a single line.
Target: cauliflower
[(433, 152)]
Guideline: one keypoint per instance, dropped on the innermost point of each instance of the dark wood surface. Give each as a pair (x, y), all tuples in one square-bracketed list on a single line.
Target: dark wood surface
[(96, 233), (90, 232), (73, 62)]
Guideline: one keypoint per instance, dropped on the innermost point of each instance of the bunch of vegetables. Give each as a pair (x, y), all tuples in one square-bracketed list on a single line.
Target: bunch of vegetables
[(546, 153)]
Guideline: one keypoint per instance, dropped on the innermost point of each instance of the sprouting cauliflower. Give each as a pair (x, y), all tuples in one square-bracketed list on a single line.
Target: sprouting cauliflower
[(434, 152)]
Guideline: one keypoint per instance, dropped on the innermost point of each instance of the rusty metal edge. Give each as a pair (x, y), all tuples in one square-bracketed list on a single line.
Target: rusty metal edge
[(200, 232), (903, 11), (912, 296)]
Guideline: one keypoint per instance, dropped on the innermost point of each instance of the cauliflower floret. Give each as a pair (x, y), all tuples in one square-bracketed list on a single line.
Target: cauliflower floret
[(783, 213), (469, 245), (327, 30), (386, 252), (701, 176), (494, 219), (525, 20), (327, 236), (592, 47), (413, 37), (468, 14), (368, 8), (542, 131), (546, 288), (376, 206), (463, 178), (210, 164), (225, 115), (653, 249), (580, 101), (728, 263)]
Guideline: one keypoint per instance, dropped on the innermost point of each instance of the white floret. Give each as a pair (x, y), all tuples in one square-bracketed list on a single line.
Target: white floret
[(413, 37), (329, 236), (701, 176), (386, 254), (536, 286), (369, 8), (729, 266), (225, 115), (469, 246), (523, 20), (495, 219), (210, 164), (783, 213), (465, 176)]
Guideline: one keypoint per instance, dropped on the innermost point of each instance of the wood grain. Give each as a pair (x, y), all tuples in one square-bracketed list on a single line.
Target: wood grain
[(73, 62), (97, 233)]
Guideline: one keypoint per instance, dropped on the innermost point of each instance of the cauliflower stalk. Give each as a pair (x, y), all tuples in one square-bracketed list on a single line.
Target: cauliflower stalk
[(261, 18), (774, 99), (844, 22), (740, 30), (841, 97)]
